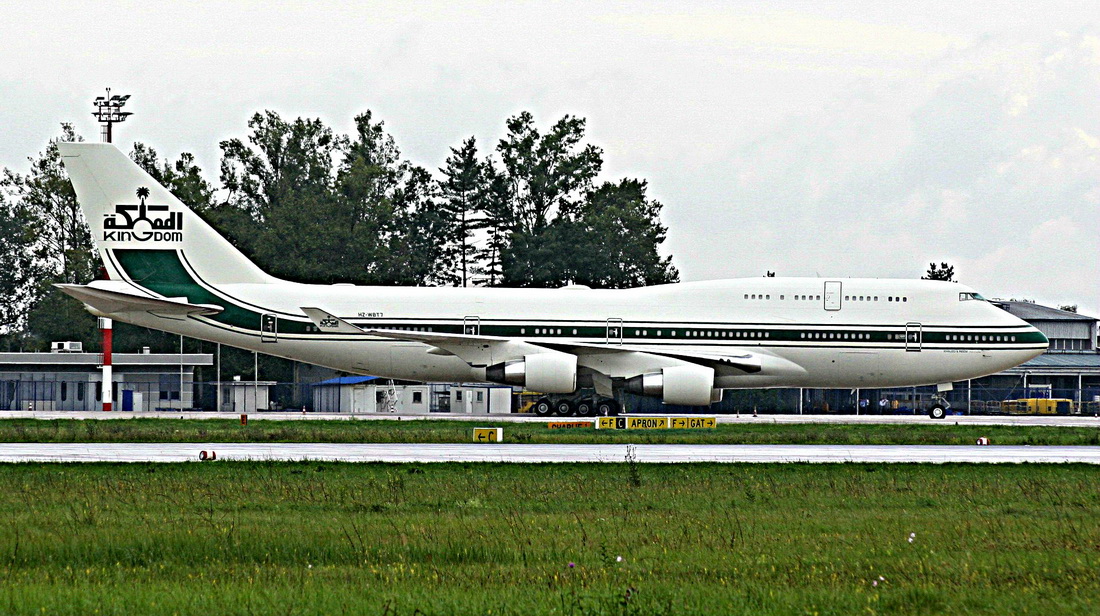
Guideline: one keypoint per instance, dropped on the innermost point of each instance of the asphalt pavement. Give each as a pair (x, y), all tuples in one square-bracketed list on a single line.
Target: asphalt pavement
[(511, 452), (974, 420)]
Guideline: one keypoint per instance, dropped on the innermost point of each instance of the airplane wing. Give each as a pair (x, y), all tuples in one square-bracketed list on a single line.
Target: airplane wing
[(108, 302), (612, 360)]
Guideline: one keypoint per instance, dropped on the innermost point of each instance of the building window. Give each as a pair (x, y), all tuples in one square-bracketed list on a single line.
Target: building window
[(169, 387), (458, 395), (418, 397)]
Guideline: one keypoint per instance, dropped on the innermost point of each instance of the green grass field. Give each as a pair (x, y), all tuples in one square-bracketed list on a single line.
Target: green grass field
[(280, 538), (442, 431)]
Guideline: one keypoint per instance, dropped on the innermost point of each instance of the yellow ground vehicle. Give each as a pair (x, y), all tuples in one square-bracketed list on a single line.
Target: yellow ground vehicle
[(1038, 406)]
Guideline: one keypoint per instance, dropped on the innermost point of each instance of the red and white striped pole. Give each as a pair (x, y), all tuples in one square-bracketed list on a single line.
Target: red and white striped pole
[(108, 384)]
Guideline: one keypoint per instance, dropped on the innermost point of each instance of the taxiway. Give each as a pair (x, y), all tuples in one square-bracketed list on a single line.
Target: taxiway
[(528, 453)]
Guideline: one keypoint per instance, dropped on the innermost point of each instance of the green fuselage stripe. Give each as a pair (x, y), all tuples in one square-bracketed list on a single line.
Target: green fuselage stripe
[(163, 272)]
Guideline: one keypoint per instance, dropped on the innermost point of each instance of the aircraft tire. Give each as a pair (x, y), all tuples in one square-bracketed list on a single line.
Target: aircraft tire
[(563, 408), (584, 408), (544, 408), (937, 412), (607, 408)]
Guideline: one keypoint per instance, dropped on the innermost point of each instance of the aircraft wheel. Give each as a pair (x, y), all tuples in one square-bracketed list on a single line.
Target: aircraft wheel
[(607, 408), (584, 408), (564, 408), (937, 412), (543, 408)]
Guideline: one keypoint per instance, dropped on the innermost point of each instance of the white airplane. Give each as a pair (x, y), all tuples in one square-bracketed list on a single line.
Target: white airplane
[(683, 343)]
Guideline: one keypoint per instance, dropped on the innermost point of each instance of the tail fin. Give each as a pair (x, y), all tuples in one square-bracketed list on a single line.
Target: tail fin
[(132, 216)]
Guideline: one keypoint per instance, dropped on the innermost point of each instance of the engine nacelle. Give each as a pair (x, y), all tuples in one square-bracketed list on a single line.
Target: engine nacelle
[(550, 373), (687, 385)]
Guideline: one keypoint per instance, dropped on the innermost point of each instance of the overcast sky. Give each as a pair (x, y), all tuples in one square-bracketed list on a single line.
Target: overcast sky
[(857, 139)]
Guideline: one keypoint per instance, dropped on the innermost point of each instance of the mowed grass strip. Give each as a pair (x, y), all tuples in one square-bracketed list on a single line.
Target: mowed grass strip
[(307, 538), (443, 431)]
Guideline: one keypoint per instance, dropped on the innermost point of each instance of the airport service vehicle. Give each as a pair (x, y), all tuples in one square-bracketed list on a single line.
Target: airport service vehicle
[(683, 343)]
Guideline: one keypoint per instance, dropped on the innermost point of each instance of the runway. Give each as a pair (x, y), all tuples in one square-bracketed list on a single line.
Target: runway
[(526, 453), (971, 420)]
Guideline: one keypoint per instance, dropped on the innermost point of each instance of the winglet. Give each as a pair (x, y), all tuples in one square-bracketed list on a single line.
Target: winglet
[(328, 322)]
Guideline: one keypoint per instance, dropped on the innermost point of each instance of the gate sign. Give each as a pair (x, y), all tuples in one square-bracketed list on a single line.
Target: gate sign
[(689, 423)]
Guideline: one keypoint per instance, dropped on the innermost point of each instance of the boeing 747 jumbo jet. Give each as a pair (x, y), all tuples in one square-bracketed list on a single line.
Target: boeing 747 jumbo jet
[(683, 343)]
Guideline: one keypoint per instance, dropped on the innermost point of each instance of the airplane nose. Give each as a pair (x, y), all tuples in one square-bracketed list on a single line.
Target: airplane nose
[(1040, 336)]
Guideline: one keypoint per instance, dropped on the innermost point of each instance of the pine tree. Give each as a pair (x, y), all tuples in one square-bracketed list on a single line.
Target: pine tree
[(943, 272), (465, 193)]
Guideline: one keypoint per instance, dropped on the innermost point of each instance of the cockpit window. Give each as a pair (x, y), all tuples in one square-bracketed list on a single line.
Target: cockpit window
[(964, 297)]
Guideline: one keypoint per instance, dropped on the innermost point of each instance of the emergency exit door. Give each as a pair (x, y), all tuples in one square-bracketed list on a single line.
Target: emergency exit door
[(832, 294), (614, 331), (471, 326), (269, 328), (913, 337)]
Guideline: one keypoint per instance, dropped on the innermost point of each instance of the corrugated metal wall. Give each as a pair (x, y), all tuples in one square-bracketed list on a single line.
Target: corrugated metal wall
[(1065, 329)]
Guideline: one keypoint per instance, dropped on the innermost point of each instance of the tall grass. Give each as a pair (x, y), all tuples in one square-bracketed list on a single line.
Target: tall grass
[(239, 538), (442, 431)]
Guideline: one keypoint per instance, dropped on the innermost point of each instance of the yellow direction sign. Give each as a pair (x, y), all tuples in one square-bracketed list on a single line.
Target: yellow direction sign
[(565, 425), (646, 423), (611, 423), (488, 435), (687, 423)]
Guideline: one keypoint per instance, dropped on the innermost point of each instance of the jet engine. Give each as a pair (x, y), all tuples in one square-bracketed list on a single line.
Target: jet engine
[(687, 385), (550, 373)]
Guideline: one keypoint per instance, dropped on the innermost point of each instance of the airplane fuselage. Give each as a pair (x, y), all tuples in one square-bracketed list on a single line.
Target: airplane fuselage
[(866, 333)]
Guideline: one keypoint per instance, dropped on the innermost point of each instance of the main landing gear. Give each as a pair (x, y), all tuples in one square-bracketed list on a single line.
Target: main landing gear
[(581, 407)]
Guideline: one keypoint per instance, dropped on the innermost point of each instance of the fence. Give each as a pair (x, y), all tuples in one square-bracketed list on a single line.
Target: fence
[(72, 395), (897, 401)]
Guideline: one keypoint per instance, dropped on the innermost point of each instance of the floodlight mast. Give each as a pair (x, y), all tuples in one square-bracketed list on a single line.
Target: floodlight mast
[(108, 110)]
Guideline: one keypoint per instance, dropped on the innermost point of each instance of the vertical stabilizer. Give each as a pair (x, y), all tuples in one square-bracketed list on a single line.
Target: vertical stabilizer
[(129, 211)]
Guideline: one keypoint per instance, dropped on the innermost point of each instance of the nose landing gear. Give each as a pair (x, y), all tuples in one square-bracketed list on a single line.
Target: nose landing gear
[(939, 408)]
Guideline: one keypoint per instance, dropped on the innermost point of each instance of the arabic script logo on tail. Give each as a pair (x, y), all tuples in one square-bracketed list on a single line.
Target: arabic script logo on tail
[(151, 222)]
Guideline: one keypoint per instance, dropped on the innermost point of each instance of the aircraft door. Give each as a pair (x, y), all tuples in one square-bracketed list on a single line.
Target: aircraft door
[(913, 337), (471, 326), (832, 295), (269, 328), (614, 331)]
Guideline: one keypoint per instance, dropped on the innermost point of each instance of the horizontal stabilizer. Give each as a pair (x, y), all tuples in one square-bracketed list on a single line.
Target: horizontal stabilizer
[(110, 302), (328, 322)]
